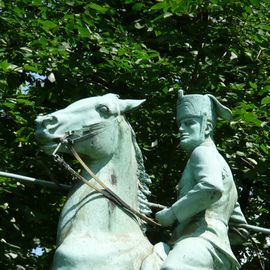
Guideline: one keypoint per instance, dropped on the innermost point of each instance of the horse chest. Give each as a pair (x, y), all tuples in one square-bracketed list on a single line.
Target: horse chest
[(86, 210)]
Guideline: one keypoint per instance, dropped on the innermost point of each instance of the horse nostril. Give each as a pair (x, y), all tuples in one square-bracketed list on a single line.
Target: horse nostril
[(47, 122), (50, 122)]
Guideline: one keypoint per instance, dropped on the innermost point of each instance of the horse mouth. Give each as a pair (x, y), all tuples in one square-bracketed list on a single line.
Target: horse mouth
[(47, 142), (49, 146)]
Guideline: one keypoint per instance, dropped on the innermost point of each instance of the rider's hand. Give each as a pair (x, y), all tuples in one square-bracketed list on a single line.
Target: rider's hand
[(166, 217)]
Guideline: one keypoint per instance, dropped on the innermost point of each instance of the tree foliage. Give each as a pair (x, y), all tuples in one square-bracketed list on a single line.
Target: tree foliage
[(137, 49)]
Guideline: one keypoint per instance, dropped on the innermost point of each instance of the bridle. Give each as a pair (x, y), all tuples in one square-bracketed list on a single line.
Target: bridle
[(68, 141)]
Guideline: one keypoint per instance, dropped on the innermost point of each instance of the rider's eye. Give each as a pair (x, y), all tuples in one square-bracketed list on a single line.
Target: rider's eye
[(189, 122), (103, 109)]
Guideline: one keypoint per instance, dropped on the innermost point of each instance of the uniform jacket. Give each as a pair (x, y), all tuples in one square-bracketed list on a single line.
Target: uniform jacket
[(207, 199)]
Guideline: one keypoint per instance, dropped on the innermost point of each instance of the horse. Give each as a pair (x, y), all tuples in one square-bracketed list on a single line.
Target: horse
[(95, 232)]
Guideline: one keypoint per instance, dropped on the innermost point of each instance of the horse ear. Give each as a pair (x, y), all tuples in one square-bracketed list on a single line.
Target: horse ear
[(126, 105)]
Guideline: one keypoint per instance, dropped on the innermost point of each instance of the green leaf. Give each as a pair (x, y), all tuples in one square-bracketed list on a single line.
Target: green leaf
[(253, 85), (24, 102), (48, 25), (137, 6), (252, 118), (159, 6), (265, 100), (84, 32), (98, 8), (10, 105), (2, 4), (70, 3), (4, 64), (36, 2), (165, 90), (264, 148), (256, 3), (265, 89), (104, 50), (264, 27)]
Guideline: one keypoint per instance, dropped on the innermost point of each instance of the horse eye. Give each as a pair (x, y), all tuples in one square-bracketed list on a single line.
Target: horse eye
[(103, 109)]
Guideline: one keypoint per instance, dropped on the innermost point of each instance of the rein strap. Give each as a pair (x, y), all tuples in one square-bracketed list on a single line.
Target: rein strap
[(106, 192), (113, 195)]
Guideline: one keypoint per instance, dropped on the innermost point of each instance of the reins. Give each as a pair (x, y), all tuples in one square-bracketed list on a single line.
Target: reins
[(104, 190)]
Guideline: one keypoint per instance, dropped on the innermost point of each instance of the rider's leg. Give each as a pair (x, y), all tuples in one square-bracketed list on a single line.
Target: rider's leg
[(195, 253)]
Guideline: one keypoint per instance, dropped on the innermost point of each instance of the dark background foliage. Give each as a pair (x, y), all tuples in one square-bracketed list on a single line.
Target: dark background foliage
[(55, 52)]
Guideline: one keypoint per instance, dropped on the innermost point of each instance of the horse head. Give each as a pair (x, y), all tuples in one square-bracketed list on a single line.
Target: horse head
[(92, 118)]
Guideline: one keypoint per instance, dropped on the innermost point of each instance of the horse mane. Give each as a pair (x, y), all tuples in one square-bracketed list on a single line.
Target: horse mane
[(143, 180)]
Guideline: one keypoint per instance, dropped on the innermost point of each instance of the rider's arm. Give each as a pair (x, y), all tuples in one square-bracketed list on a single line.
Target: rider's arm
[(206, 171)]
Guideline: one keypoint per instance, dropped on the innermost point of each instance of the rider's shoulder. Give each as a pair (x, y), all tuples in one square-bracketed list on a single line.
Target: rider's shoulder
[(203, 152)]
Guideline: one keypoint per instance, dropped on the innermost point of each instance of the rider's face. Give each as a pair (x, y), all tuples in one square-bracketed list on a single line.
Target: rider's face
[(190, 133)]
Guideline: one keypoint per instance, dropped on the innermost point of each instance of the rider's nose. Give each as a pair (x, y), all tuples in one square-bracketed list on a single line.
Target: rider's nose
[(48, 122), (181, 128)]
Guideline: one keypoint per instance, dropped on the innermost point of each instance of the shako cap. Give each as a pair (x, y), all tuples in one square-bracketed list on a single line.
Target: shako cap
[(201, 105)]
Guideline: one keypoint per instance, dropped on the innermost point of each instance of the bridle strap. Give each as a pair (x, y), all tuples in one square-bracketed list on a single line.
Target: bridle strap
[(61, 161), (90, 133)]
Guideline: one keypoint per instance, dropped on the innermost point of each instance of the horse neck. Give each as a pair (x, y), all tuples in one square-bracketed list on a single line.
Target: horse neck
[(119, 172), (93, 212)]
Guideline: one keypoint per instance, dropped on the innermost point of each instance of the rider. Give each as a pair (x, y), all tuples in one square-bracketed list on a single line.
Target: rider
[(207, 199)]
